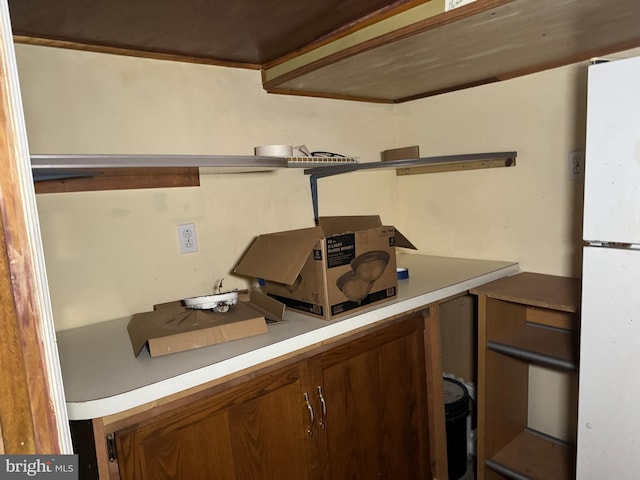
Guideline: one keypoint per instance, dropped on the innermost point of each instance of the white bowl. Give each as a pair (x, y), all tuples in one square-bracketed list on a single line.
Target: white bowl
[(220, 302)]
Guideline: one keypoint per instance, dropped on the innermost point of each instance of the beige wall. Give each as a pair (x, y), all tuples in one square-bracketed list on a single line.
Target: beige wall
[(112, 254), (530, 213)]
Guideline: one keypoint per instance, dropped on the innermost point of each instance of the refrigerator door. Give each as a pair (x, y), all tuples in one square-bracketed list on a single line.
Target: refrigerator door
[(608, 412), (612, 161)]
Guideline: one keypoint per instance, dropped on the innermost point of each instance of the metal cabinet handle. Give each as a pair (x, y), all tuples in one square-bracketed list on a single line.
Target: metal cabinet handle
[(323, 407), (311, 417)]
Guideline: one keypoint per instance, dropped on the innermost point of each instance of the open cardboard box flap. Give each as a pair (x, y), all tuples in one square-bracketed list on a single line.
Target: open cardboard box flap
[(279, 257), (356, 223)]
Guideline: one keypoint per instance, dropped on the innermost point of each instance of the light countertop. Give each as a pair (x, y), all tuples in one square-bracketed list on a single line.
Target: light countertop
[(102, 376)]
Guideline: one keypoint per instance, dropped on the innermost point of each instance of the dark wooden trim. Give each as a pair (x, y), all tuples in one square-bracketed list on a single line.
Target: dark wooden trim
[(304, 93), (50, 42), (583, 56), (448, 89), (123, 179), (436, 417), (342, 32), (27, 410)]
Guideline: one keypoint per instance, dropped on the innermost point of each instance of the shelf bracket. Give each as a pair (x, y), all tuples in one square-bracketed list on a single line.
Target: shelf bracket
[(444, 163), (313, 179), (458, 166)]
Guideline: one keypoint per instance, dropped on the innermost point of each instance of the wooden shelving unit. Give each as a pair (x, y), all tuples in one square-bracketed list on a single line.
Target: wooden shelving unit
[(545, 346), (523, 320), (534, 455)]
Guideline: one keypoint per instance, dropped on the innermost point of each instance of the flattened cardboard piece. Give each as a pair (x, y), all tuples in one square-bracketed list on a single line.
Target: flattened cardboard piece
[(279, 257), (176, 305), (172, 327)]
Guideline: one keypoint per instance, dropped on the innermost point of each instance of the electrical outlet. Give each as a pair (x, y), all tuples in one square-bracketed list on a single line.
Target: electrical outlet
[(576, 164), (187, 238)]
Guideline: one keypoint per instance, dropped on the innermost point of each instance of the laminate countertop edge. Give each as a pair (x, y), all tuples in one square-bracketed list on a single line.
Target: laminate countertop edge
[(102, 376)]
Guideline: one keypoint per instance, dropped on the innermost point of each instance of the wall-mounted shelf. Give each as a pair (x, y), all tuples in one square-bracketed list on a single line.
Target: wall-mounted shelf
[(545, 346), (58, 173), (507, 159), (537, 454), (442, 163), (43, 164), (55, 173)]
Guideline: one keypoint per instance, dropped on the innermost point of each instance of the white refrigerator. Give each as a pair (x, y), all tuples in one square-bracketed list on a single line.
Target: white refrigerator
[(608, 445)]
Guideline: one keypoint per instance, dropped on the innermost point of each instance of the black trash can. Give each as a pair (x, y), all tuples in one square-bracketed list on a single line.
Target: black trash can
[(456, 410)]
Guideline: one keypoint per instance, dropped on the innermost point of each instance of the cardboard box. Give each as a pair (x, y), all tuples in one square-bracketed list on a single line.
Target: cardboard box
[(342, 265), (172, 327)]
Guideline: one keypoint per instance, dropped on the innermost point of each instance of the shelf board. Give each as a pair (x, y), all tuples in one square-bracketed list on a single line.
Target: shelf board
[(535, 455), (483, 42), (546, 346), (458, 166), (58, 173), (402, 164), (535, 289), (90, 162), (507, 158), (67, 181)]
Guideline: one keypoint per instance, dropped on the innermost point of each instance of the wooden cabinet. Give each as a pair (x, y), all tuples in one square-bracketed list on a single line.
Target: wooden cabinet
[(527, 319), (375, 423), (357, 409), (253, 430)]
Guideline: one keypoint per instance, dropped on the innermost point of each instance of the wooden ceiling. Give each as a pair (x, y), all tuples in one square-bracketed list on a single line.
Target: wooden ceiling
[(483, 42), (326, 48), (244, 32)]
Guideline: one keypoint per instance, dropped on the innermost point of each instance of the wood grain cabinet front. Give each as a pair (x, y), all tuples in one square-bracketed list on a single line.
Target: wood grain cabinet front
[(355, 410), (376, 408), (253, 430)]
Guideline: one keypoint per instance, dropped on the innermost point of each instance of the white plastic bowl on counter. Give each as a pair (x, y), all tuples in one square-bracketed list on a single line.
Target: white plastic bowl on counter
[(220, 302)]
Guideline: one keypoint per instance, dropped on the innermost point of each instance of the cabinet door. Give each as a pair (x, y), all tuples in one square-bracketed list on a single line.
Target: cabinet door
[(254, 430), (374, 391)]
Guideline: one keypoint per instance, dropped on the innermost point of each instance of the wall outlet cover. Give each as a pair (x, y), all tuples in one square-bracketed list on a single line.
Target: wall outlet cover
[(187, 238)]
